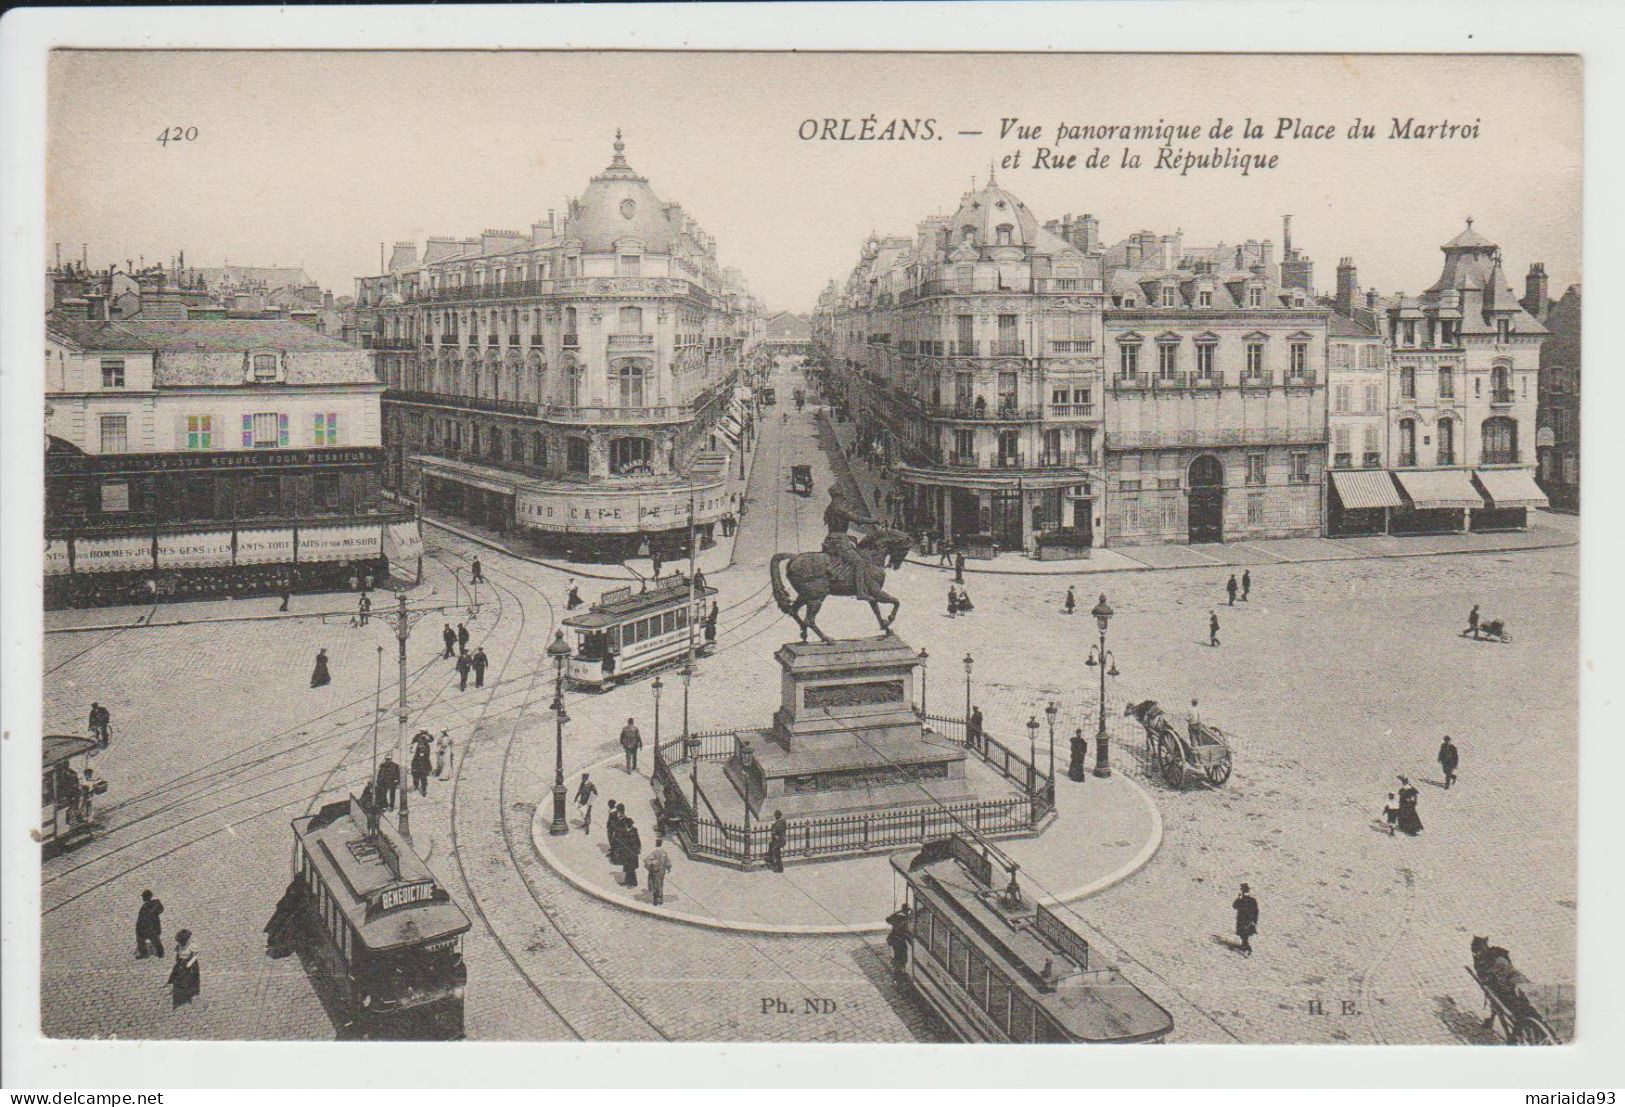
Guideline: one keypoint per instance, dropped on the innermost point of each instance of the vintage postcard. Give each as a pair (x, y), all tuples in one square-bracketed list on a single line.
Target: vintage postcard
[(638, 547)]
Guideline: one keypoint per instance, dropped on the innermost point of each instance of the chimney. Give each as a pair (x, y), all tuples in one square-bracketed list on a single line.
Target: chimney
[(1286, 238), (1535, 300), (1167, 251), (1371, 299), (1133, 260), (1348, 285), (1266, 253), (1091, 234)]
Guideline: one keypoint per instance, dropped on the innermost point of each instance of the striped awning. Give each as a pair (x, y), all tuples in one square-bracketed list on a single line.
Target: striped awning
[(1511, 487), (1366, 489), (1431, 489)]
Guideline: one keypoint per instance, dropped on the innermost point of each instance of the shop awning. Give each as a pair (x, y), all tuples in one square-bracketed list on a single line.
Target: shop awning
[(1366, 489), (1431, 489), (1511, 487)]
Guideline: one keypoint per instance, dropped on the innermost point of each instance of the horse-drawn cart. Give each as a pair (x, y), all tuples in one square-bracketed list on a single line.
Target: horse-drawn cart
[(1526, 1014), (801, 482), (1185, 756)]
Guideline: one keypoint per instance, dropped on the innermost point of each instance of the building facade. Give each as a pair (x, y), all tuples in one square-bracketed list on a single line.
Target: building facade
[(1465, 357), (569, 385), (1359, 493), (1216, 404), (1557, 413), (970, 356), (205, 457)]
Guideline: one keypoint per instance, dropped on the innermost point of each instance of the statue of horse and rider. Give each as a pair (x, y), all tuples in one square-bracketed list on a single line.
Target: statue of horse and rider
[(843, 567)]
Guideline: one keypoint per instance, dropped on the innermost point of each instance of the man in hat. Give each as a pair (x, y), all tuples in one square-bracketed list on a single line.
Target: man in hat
[(901, 922), (479, 661), (1449, 758), (148, 928), (657, 864), (1246, 908), (1213, 628), (777, 837), (449, 637), (631, 742), (388, 782)]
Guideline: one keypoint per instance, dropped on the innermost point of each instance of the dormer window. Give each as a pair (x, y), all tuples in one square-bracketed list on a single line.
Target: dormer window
[(1503, 330), (1170, 298), (631, 265), (1131, 301), (1255, 296), (265, 367), (1204, 298), (1005, 232)]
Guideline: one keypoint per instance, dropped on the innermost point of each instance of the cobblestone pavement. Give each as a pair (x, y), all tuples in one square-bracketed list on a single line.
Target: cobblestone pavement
[(1332, 680)]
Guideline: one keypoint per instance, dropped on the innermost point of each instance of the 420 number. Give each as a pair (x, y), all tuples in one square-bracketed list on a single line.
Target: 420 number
[(177, 134)]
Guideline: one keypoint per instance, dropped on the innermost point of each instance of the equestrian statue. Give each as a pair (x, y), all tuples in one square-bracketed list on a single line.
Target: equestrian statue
[(844, 567)]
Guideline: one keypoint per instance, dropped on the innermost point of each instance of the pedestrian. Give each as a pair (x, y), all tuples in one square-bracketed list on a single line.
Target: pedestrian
[(612, 832), (1408, 820), (464, 664), (1390, 814), (585, 792), (478, 575), (959, 566), (1193, 720), (387, 783), (711, 624), (479, 661), (1213, 628), (1078, 767), (1230, 589), (443, 757), (572, 598), (1472, 621), (283, 606), (1246, 584), (654, 559), (420, 770), (777, 836), (186, 977), (964, 599), (953, 601), (1246, 919), (101, 724), (319, 675), (658, 864), (901, 922), (449, 637), (973, 732), (364, 608), (631, 742), (945, 552), (699, 580), (1071, 600), (462, 638), (1449, 758), (148, 929), (631, 850)]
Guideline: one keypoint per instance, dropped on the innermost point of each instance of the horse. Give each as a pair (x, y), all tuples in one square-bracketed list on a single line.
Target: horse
[(1148, 713), (816, 575)]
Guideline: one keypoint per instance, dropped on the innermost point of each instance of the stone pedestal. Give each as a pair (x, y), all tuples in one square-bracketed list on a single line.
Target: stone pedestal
[(845, 739)]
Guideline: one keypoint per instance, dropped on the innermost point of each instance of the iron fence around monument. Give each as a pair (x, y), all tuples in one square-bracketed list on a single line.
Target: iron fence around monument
[(706, 834)]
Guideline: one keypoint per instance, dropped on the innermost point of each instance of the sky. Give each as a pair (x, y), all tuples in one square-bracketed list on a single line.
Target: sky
[(313, 159)]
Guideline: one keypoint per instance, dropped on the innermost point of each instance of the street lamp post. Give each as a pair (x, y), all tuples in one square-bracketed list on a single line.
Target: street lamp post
[(1050, 713), (558, 650), (1032, 754), (657, 686), (924, 657), (1103, 615), (969, 664), (403, 629)]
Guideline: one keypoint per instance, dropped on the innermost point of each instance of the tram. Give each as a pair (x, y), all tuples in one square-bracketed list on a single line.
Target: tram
[(66, 795), (997, 969), (387, 937), (627, 634)]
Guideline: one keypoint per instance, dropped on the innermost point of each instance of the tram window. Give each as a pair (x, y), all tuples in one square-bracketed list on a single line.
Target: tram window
[(1021, 1018), (668, 622), (922, 925), (959, 960), (998, 1001), (939, 941), (978, 978), (682, 618)]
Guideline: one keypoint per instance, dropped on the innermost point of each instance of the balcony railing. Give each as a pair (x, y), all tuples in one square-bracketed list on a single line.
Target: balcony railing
[(1171, 380), (988, 412), (598, 413), (563, 286), (964, 461), (1008, 347), (1372, 459), (1007, 461), (1065, 459), (1499, 457), (1067, 284), (1257, 436), (513, 340), (388, 343), (448, 340), (471, 403), (1342, 461), (1072, 345), (1211, 380), (1502, 396), (1129, 380), (572, 341), (631, 341), (1407, 459), (962, 347), (1074, 411), (1301, 378), (535, 341), (492, 340), (1446, 457), (1262, 378)]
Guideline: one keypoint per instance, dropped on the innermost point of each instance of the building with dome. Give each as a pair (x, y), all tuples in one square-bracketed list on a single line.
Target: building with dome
[(567, 384), (970, 355)]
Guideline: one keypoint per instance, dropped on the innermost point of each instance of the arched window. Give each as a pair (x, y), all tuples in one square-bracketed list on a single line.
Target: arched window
[(1500, 384), (629, 376), (628, 455), (630, 320), (572, 381), (516, 447), (1447, 442), (1500, 441), (576, 454), (1407, 442), (570, 331)]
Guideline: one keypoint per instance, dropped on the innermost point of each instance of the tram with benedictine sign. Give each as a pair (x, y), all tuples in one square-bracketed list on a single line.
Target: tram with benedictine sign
[(387, 937), (996, 968), (628, 634)]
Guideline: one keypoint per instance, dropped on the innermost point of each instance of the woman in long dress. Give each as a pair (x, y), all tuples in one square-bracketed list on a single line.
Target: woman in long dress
[(186, 978), (443, 756), (1408, 820), (319, 675)]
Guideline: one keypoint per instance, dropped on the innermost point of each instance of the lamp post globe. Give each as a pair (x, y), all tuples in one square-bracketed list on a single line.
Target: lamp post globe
[(558, 650)]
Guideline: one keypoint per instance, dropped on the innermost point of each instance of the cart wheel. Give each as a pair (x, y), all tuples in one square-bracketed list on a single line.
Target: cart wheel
[(1220, 772), (1533, 1030), (1506, 636), (1173, 766)]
